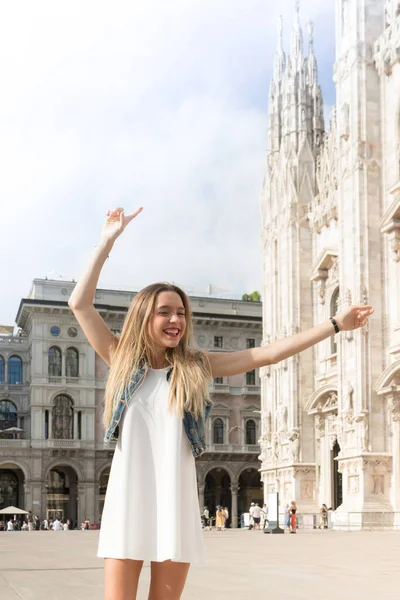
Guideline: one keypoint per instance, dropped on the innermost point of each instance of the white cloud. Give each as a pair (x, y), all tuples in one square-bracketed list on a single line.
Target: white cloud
[(127, 104)]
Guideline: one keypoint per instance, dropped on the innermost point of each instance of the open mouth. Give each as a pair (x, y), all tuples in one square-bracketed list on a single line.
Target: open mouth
[(172, 332)]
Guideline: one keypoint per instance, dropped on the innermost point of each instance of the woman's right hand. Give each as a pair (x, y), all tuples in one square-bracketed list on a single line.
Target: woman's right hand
[(116, 222)]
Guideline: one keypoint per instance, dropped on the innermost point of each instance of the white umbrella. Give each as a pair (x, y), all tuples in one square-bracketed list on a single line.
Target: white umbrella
[(13, 510), (12, 430)]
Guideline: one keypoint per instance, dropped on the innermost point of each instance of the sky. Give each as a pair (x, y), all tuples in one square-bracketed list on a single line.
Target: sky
[(126, 104)]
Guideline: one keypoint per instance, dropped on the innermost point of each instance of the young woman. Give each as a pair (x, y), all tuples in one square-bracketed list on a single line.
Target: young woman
[(156, 399), (219, 521), (292, 511)]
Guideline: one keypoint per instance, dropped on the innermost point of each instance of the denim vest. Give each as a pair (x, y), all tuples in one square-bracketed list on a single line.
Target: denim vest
[(194, 428)]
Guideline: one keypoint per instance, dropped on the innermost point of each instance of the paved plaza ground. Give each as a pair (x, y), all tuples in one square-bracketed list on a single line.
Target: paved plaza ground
[(241, 565)]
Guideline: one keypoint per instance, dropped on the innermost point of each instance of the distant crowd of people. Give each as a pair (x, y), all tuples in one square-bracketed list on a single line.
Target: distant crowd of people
[(35, 524), (258, 517)]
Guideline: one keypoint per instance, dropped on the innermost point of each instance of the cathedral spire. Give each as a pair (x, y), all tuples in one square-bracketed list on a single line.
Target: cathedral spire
[(280, 57), (312, 61), (297, 37)]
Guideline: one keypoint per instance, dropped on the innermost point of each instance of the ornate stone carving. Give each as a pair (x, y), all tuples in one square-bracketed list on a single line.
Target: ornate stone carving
[(275, 448), (319, 426), (349, 404), (345, 121), (363, 295), (332, 400), (294, 443), (378, 483), (306, 489), (394, 409), (394, 242), (363, 430), (267, 427), (353, 484), (281, 419)]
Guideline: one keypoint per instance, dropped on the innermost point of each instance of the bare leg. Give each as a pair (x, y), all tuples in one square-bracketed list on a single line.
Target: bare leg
[(167, 580), (121, 578)]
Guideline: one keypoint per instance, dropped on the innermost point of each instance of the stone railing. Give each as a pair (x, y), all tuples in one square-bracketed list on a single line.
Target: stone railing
[(235, 448), (15, 443), (351, 521), (73, 444), (13, 339)]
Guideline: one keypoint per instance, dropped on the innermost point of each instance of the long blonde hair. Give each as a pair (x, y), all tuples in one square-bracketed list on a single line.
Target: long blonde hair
[(191, 370)]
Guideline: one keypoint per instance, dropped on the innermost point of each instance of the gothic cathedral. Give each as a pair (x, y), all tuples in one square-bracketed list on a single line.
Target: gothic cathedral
[(331, 238)]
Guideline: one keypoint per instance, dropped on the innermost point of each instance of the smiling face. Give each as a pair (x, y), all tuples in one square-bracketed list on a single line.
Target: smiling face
[(168, 322)]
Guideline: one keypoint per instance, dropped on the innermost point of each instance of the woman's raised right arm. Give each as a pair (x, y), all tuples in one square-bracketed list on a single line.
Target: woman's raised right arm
[(94, 327)]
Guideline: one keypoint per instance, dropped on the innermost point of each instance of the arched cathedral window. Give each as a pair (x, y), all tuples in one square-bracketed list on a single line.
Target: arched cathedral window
[(72, 362), (63, 416), (55, 361)]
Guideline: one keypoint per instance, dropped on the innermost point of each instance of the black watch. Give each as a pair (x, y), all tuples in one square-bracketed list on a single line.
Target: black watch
[(333, 321)]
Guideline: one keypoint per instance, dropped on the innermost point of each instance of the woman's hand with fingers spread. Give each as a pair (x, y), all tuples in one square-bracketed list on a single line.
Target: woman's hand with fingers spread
[(116, 222), (353, 317)]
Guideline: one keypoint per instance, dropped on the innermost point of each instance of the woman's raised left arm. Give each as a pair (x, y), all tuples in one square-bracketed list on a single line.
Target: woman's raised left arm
[(225, 364)]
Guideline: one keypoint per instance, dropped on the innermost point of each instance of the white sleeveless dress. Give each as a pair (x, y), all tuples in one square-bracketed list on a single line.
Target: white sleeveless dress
[(151, 509)]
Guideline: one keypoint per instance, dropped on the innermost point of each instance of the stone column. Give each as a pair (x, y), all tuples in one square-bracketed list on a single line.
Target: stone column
[(394, 408), (200, 490), (234, 509), (50, 424), (75, 436)]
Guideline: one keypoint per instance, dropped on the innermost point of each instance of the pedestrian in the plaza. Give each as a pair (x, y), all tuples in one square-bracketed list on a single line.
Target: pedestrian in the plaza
[(323, 523), (264, 514), (219, 521), (286, 517), (10, 525), (225, 513), (45, 524), (256, 516), (206, 518), (30, 525), (293, 518), (156, 401), (57, 526), (251, 518)]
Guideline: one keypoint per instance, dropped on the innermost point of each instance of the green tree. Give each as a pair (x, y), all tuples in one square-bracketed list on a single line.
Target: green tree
[(253, 297)]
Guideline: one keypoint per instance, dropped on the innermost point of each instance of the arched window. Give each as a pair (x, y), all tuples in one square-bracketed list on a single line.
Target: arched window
[(218, 429), (250, 432), (8, 415), (63, 417), (55, 361), (2, 369), (9, 488), (334, 309), (14, 370), (72, 362)]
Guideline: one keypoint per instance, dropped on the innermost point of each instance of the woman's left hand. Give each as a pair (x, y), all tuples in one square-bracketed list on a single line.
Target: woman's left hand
[(353, 317)]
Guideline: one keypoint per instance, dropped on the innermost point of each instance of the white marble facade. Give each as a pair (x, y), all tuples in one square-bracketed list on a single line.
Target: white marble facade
[(331, 237)]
